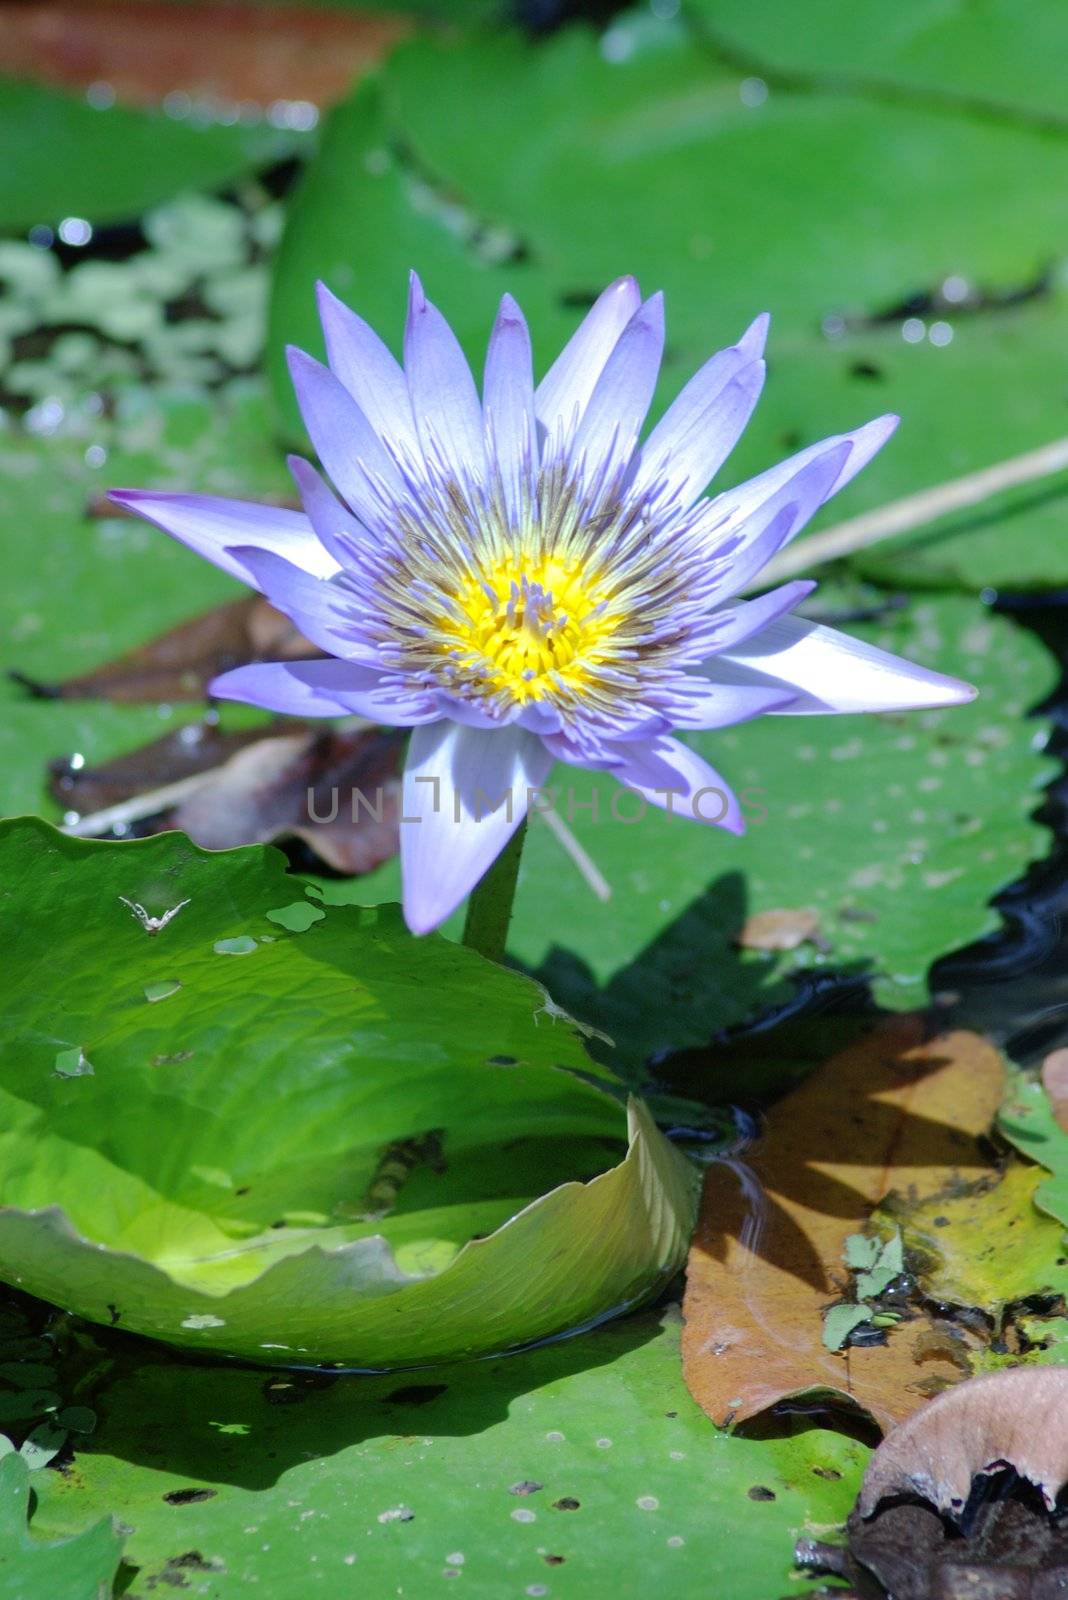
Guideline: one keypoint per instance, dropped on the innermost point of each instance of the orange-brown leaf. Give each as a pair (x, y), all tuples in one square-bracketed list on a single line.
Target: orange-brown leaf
[(226, 52), (892, 1113)]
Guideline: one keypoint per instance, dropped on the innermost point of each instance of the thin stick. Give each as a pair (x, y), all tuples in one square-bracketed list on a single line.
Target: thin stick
[(915, 510), (137, 807), (586, 865)]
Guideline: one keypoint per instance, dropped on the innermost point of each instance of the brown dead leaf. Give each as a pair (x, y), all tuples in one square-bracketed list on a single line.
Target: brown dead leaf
[(338, 791), (179, 664), (229, 52), (181, 753), (1017, 1419), (778, 930), (891, 1113)]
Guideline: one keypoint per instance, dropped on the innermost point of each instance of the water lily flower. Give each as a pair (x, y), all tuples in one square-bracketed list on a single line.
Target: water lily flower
[(521, 581)]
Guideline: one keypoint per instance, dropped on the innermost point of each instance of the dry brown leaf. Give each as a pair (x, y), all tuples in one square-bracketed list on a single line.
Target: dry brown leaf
[(778, 930), (179, 664), (1017, 1419), (224, 52), (892, 1113), (338, 790), (179, 754), (303, 786)]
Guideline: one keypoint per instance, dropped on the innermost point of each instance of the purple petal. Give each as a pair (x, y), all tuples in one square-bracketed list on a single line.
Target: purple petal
[(212, 527), (323, 689), (697, 702), (370, 373), (585, 746), (345, 442), (829, 671), (670, 775), (508, 403), (335, 526), (448, 416), (540, 717), (450, 831), (731, 625), (623, 393), (455, 709), (738, 503), (739, 550), (321, 610), (755, 337), (700, 429), (564, 392)]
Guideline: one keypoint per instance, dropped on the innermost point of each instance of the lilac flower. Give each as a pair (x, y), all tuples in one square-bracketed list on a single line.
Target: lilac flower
[(520, 581)]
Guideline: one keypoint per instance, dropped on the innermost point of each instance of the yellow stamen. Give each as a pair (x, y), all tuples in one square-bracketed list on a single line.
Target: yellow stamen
[(528, 625)]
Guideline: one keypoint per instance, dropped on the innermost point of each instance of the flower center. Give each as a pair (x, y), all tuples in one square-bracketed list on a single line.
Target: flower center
[(525, 628)]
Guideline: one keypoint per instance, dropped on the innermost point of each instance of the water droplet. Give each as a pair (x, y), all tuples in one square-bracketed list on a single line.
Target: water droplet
[(73, 1064), (242, 946), (45, 417), (617, 44), (299, 115), (75, 231), (162, 990), (298, 917)]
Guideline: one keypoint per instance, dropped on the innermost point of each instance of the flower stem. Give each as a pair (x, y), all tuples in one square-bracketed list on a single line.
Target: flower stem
[(489, 906)]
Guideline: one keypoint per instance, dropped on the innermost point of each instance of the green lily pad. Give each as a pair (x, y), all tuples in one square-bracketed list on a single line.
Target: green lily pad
[(896, 830), (951, 425), (1050, 1334), (1027, 1121), (80, 1566), (840, 1321), (973, 53), (82, 589), (65, 157), (350, 1145), (575, 1469), (547, 171)]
